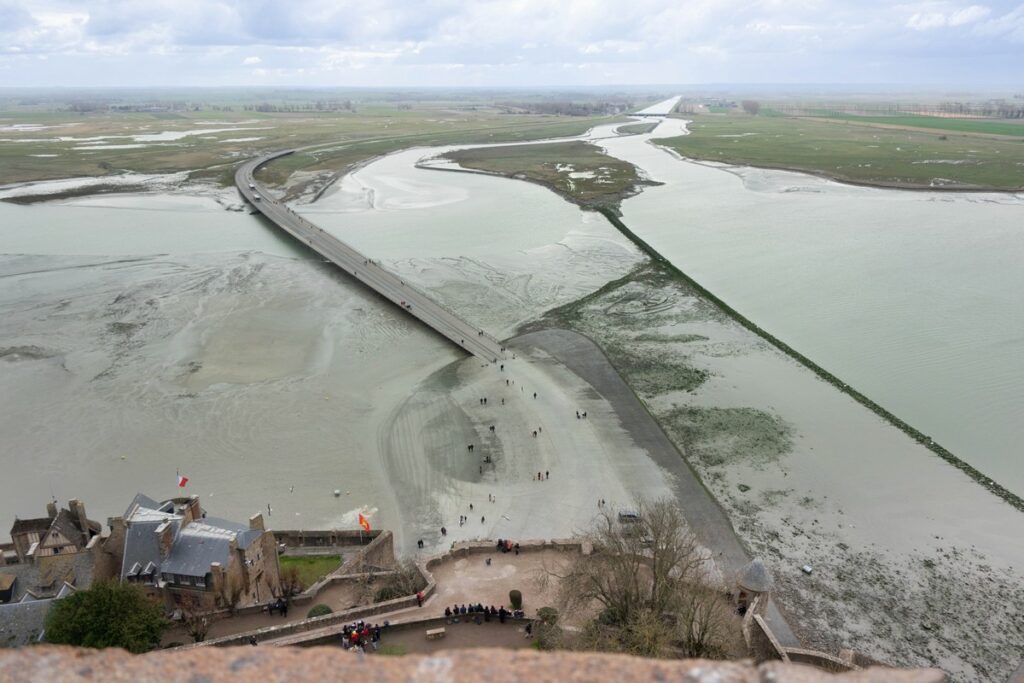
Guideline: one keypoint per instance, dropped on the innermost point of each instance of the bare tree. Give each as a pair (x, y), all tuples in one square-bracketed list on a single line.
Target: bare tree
[(231, 593), (751, 106), (648, 581), (291, 583), (195, 618), (403, 581)]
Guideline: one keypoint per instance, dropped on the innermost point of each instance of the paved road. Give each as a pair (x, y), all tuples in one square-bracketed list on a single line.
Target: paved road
[(417, 304)]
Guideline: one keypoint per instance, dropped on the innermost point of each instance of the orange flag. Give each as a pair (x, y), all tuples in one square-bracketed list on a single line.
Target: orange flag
[(363, 522)]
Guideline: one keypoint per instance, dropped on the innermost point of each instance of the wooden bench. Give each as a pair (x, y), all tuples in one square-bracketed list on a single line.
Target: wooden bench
[(435, 633)]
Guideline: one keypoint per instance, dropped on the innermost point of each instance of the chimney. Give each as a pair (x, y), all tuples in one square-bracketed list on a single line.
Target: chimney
[(256, 522), (195, 512), (51, 509), (164, 538), (216, 578), (78, 512)]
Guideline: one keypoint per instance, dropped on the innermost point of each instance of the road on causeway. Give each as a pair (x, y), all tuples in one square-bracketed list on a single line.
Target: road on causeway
[(390, 286)]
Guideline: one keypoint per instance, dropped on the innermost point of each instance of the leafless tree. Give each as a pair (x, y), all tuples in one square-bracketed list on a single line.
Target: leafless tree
[(648, 581), (195, 618), (291, 583), (404, 580), (231, 593), (751, 106)]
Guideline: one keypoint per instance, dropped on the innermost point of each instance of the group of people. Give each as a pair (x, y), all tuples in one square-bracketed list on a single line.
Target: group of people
[(481, 613), (279, 605), (360, 634), (506, 546)]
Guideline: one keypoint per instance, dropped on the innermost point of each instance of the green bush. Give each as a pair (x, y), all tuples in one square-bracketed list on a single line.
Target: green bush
[(107, 615), (516, 598), (548, 615), (318, 611)]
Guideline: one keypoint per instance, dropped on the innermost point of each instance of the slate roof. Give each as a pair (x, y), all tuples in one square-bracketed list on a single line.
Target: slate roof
[(756, 577), (195, 547), (65, 522), (39, 524), (22, 623), (68, 527), (75, 569)]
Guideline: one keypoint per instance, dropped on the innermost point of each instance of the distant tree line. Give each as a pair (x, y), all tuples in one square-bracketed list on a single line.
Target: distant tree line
[(318, 105), (1000, 109), (567, 108)]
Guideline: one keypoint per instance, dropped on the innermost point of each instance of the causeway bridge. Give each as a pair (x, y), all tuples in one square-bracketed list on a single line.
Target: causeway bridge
[(360, 267)]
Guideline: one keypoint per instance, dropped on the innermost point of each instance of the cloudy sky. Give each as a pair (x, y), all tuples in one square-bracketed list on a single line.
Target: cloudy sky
[(508, 42)]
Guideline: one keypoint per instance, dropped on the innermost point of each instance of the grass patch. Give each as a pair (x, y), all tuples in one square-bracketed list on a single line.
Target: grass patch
[(637, 128), (977, 126), (720, 436), (391, 650), (861, 154), (311, 568), (383, 128), (650, 370), (579, 171)]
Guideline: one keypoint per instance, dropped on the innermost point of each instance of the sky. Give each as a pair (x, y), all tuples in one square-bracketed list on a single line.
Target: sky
[(508, 43)]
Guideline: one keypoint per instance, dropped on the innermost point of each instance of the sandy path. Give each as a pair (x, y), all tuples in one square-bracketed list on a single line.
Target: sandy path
[(424, 445)]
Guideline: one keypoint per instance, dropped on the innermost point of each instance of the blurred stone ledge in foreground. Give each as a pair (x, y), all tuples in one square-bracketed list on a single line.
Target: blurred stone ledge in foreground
[(264, 665)]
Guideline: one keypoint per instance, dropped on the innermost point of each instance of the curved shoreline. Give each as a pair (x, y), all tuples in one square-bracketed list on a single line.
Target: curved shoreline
[(613, 217), (923, 439), (726, 164)]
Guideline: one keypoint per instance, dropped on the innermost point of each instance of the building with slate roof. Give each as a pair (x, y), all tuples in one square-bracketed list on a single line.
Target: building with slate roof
[(178, 553), (49, 553), (61, 532), (23, 623)]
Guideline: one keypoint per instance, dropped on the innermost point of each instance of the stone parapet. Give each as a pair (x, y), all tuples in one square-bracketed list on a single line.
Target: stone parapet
[(257, 665)]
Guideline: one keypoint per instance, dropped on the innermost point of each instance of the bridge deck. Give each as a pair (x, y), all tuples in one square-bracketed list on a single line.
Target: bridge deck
[(417, 304)]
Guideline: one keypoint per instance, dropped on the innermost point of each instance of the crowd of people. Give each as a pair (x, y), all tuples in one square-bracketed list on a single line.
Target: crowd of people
[(481, 613), (358, 635)]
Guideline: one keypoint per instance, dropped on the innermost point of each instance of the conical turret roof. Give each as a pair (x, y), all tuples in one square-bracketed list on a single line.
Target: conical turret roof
[(755, 577)]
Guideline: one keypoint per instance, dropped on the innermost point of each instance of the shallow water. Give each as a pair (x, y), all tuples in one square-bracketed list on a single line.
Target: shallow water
[(914, 298)]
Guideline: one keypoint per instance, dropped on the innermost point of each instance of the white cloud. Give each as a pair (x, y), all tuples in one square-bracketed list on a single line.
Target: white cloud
[(399, 42), (924, 21), (968, 15), (927, 20)]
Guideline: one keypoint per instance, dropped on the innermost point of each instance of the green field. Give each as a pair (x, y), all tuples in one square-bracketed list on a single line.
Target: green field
[(980, 126), (637, 128), (311, 568), (600, 180), (856, 153), (103, 143), (340, 157)]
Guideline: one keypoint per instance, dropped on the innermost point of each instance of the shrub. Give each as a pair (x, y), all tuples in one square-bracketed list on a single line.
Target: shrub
[(318, 611), (107, 615), (516, 598), (548, 615)]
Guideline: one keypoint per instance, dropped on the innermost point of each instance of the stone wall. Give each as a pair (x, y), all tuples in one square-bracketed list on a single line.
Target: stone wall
[(45, 664)]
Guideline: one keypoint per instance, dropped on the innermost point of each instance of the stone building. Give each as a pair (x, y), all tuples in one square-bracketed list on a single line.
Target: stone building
[(179, 554), (47, 554), (61, 532)]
